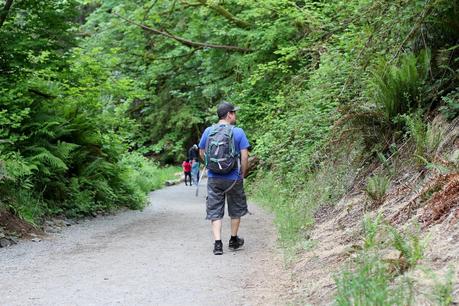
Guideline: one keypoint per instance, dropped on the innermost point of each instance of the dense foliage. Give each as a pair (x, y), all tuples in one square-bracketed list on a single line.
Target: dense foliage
[(64, 135), (83, 82)]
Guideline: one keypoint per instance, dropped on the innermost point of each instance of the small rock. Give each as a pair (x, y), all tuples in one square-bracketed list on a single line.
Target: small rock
[(36, 239), (4, 242), (169, 183), (52, 230), (59, 222)]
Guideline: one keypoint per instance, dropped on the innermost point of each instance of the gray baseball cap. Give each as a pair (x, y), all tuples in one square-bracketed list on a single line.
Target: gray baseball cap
[(224, 108)]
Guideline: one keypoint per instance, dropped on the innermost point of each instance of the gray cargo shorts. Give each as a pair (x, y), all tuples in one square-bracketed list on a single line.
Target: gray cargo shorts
[(237, 202)]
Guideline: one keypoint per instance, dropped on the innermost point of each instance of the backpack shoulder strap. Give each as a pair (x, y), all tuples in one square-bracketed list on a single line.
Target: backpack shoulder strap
[(233, 142), (212, 129)]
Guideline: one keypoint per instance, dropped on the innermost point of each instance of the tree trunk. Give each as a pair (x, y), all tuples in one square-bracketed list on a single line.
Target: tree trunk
[(4, 12)]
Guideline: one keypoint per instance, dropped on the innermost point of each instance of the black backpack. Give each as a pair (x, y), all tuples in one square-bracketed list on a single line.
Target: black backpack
[(220, 154)]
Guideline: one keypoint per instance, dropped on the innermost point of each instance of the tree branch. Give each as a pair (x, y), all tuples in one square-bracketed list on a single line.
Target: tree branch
[(225, 13), (182, 40), (4, 12)]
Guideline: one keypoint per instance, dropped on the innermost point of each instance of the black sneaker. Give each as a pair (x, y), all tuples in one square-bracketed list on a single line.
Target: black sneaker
[(218, 248), (235, 244)]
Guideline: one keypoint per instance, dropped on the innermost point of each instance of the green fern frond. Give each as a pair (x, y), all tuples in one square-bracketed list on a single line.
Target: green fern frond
[(64, 149), (45, 157), (44, 129), (398, 88), (15, 166), (98, 167)]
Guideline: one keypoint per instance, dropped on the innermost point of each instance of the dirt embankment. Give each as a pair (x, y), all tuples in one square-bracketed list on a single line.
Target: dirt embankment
[(424, 196)]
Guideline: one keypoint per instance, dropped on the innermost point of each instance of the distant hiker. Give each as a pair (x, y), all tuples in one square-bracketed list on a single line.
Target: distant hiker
[(187, 170), (195, 171), (193, 152), (224, 148)]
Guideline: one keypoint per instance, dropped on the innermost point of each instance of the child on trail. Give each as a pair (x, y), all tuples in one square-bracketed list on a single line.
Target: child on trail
[(186, 165)]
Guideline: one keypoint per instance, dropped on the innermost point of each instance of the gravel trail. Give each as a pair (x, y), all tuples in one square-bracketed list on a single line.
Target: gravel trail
[(160, 256)]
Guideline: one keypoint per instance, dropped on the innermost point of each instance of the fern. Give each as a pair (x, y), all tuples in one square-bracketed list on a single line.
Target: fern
[(410, 246), (64, 149), (377, 188), (426, 137), (398, 89), (98, 167), (44, 157), (16, 167)]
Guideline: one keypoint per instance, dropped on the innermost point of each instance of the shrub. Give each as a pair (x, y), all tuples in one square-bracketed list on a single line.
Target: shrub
[(450, 109), (443, 289), (410, 246), (372, 278), (377, 187), (368, 282), (398, 89), (371, 228), (426, 137)]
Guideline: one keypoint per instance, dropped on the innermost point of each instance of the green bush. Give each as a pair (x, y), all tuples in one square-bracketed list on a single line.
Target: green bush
[(426, 137), (377, 187), (27, 206), (368, 282), (450, 109), (442, 292), (399, 89), (372, 279), (410, 246), (371, 229)]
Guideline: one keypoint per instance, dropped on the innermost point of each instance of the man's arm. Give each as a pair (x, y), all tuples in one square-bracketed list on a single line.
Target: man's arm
[(244, 162), (201, 154)]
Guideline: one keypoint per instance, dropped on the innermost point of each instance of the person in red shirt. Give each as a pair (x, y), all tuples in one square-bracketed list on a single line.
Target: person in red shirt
[(186, 165)]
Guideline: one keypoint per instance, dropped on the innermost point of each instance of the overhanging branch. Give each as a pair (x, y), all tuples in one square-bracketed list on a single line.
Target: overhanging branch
[(182, 40), (225, 13)]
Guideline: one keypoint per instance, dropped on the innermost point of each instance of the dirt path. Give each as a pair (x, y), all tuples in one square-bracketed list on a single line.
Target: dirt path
[(160, 256)]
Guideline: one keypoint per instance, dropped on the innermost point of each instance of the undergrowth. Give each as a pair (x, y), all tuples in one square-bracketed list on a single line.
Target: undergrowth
[(132, 178), (296, 201), (372, 277), (377, 187)]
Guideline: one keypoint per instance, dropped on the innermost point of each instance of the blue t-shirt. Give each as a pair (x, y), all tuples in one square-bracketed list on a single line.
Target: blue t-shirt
[(240, 143)]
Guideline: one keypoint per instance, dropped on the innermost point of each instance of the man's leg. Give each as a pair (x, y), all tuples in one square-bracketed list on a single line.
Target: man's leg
[(217, 229), (235, 226), (237, 207), (215, 211)]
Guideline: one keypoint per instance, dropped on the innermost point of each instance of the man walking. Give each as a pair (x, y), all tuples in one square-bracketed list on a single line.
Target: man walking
[(193, 152), (224, 148)]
